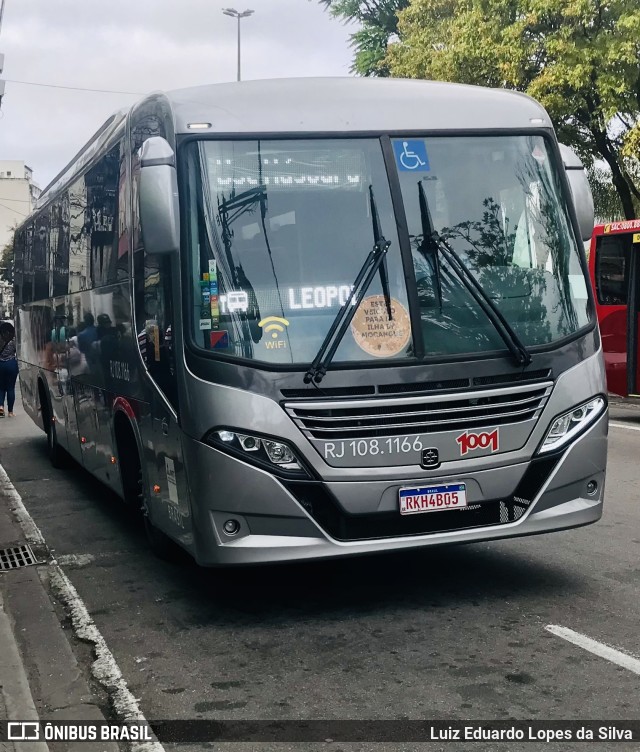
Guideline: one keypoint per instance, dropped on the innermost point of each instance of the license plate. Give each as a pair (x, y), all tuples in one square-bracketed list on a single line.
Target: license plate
[(433, 498)]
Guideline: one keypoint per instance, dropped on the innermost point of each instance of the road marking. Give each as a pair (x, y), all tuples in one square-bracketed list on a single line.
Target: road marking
[(624, 425), (597, 648), (104, 668)]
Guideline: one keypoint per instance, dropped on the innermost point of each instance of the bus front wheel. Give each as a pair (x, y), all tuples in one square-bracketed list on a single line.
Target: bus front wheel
[(161, 545)]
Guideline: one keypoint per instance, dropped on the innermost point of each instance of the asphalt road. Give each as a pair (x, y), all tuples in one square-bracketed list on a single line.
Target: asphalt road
[(449, 633)]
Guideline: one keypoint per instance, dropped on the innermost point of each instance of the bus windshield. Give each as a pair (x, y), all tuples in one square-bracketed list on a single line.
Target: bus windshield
[(278, 230)]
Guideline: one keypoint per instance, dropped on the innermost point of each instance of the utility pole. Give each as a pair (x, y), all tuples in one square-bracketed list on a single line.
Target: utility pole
[(234, 14)]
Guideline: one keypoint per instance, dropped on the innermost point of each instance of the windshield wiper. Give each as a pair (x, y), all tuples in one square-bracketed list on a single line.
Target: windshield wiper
[(378, 239), (432, 240), (375, 261), (429, 246)]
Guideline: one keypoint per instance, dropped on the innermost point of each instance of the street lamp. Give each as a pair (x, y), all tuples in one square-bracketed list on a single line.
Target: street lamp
[(235, 14)]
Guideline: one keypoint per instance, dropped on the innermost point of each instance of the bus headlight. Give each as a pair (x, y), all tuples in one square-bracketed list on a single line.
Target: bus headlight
[(272, 454), (571, 423)]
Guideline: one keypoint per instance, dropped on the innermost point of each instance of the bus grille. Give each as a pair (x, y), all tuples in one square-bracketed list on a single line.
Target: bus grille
[(347, 419), (322, 506)]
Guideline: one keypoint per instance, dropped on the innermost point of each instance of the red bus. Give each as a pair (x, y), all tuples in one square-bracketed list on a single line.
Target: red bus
[(614, 266)]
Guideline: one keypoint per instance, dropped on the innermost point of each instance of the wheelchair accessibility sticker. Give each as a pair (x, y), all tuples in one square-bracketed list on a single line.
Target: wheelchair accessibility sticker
[(411, 155)]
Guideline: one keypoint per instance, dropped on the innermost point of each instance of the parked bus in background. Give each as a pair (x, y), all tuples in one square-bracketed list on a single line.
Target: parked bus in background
[(310, 318), (615, 275)]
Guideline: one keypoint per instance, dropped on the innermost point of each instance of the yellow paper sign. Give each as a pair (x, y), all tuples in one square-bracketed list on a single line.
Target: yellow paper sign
[(375, 333), (636, 237)]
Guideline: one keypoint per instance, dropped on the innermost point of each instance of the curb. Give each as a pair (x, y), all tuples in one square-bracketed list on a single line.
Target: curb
[(15, 695), (39, 672)]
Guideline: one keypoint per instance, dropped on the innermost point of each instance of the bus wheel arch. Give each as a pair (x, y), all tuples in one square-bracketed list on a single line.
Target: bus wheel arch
[(128, 453), (134, 483)]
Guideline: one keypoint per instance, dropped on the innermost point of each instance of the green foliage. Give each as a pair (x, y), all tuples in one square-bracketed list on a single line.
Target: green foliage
[(579, 58), (378, 22), (605, 199)]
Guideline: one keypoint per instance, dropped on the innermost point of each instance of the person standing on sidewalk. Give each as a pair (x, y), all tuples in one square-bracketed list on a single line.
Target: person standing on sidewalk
[(8, 367)]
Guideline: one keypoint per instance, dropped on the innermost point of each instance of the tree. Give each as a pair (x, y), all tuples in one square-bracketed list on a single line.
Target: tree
[(378, 20), (606, 201), (579, 58)]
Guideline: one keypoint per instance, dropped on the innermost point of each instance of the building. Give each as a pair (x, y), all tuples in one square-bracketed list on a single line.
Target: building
[(18, 194)]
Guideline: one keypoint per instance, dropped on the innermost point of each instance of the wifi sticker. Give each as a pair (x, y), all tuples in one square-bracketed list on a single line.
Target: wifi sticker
[(274, 325)]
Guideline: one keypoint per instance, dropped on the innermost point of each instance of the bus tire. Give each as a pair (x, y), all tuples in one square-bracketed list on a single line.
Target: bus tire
[(54, 450), (133, 488), (159, 543)]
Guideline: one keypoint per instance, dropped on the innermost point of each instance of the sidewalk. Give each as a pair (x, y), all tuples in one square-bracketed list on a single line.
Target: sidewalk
[(624, 408), (40, 676)]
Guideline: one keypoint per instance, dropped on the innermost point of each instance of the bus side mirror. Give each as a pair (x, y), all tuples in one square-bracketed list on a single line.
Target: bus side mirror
[(158, 197), (580, 190)]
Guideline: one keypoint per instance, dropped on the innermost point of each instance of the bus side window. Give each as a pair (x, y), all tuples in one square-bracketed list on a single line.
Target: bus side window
[(612, 271), (101, 217)]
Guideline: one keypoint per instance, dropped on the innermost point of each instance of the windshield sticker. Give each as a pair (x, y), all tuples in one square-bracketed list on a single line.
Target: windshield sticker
[(374, 333), (636, 237), (219, 339), (411, 155), (237, 300), (275, 326), (205, 324), (213, 270)]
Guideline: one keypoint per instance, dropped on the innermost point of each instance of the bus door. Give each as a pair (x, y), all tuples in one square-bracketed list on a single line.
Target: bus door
[(617, 288), (165, 466)]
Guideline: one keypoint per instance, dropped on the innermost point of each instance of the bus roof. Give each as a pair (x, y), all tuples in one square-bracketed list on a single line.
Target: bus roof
[(325, 105)]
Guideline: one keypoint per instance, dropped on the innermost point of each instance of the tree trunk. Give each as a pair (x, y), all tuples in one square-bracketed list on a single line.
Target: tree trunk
[(617, 176), (623, 191)]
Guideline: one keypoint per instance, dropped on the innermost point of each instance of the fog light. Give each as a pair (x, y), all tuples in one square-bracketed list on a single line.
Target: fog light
[(592, 487), (278, 453), (231, 527), (249, 443)]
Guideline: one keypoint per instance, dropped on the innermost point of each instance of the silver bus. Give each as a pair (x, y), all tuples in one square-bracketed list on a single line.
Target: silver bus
[(307, 318)]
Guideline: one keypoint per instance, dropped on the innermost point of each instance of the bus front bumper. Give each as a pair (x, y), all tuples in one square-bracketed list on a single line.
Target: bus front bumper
[(274, 526)]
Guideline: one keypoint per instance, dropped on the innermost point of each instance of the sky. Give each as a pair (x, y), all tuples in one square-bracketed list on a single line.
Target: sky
[(139, 46)]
